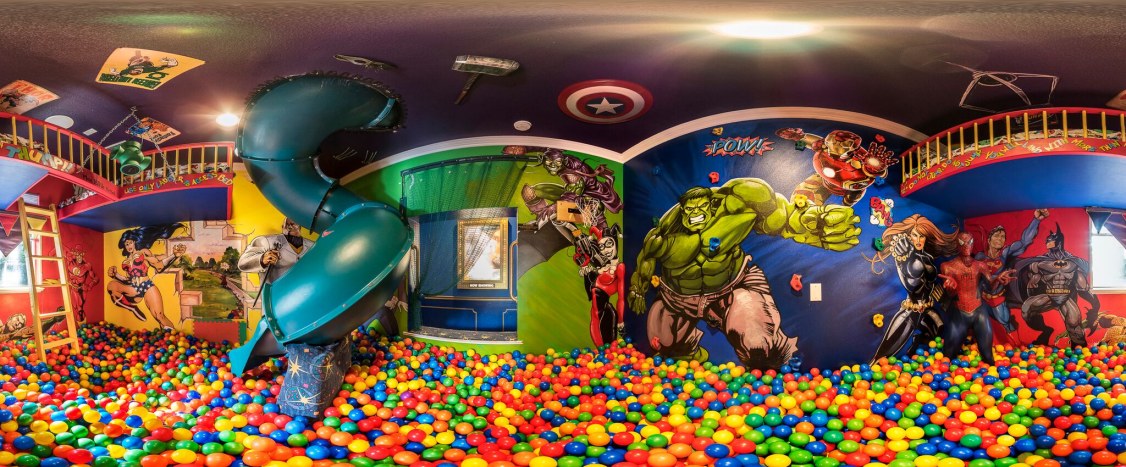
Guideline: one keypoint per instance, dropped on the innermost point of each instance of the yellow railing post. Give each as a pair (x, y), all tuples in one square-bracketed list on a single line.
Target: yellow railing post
[(1044, 120), (949, 147), (903, 166), (962, 140), (1064, 118), (1026, 132), (1122, 127), (1084, 123)]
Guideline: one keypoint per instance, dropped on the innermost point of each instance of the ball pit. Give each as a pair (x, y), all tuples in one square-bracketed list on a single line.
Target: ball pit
[(157, 399)]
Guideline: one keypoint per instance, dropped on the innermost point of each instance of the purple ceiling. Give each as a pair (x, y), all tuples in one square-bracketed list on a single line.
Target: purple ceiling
[(879, 58)]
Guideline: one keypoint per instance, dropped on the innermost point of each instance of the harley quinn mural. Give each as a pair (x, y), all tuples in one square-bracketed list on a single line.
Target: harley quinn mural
[(604, 276)]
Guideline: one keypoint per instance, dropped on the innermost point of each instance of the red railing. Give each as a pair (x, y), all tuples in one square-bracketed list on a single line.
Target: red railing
[(71, 147), (68, 150), (185, 159), (928, 158)]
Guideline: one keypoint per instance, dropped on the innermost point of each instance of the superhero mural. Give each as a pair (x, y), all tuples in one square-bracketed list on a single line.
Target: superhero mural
[(83, 278), (570, 213), (15, 305), (132, 284), (183, 276), (569, 277), (707, 276), (1055, 281), (916, 244), (723, 219), (842, 167), (1049, 301)]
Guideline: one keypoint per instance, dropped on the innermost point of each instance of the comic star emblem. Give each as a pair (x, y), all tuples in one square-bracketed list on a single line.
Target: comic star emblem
[(605, 101)]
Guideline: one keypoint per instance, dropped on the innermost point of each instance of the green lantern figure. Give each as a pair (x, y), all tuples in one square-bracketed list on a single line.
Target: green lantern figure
[(129, 157)]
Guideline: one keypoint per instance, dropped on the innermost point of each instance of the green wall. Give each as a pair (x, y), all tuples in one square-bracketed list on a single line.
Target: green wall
[(552, 306)]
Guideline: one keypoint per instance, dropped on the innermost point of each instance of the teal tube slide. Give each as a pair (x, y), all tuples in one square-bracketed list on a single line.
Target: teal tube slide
[(357, 264)]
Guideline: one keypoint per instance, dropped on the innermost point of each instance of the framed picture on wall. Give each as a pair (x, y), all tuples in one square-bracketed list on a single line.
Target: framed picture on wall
[(482, 253)]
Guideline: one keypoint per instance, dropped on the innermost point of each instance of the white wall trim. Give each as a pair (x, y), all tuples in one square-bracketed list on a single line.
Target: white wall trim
[(816, 113), (563, 144), (764, 113)]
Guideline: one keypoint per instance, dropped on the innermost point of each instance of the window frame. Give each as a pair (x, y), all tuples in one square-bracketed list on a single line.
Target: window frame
[(1091, 233), (37, 249)]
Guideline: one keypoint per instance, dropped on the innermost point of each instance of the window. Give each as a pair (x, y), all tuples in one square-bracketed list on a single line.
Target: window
[(1108, 261), (13, 269)]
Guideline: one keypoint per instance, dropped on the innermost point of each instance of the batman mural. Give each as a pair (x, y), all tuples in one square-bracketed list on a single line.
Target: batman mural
[(1055, 281)]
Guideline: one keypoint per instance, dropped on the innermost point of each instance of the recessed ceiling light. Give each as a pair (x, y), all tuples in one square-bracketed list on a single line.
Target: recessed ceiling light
[(60, 121), (522, 125), (762, 29), (227, 119)]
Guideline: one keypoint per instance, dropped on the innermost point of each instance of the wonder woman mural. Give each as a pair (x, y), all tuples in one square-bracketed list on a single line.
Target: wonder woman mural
[(132, 283)]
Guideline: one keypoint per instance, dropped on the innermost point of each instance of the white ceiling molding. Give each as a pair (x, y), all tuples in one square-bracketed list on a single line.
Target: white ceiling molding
[(479, 141), (766, 113)]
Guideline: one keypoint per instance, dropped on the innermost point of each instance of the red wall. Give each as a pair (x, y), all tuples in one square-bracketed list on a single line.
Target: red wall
[(1076, 230), (74, 238)]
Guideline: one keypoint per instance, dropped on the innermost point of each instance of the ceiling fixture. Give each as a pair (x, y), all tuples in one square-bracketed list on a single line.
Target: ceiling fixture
[(364, 62), (763, 29), (89, 131), (477, 66), (227, 120), (522, 125), (61, 121)]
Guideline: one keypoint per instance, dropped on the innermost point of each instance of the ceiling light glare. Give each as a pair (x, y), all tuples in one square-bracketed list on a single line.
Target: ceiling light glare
[(762, 29), (227, 120)]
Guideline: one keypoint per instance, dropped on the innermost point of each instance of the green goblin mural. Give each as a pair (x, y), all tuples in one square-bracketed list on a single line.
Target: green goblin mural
[(706, 275), (591, 188)]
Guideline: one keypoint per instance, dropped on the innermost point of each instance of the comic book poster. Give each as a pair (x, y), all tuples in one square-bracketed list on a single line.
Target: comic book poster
[(20, 96), (146, 69), (153, 130)]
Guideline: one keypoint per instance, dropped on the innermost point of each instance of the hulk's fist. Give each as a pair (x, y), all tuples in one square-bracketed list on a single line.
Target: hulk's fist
[(637, 302), (832, 227)]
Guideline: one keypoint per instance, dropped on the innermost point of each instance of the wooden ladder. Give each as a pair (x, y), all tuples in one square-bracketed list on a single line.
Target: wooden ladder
[(50, 228)]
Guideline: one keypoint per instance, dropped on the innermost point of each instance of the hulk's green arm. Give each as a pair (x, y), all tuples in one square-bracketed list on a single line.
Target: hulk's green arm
[(653, 247), (749, 203)]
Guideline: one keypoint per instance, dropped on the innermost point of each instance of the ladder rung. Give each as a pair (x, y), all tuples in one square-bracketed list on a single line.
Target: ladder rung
[(38, 211), (49, 258), (45, 233), (51, 314), (59, 343), (51, 284)]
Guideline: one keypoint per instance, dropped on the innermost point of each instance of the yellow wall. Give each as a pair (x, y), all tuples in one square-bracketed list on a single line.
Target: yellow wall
[(252, 216)]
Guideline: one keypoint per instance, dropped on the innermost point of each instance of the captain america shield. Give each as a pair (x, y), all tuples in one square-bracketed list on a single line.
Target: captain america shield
[(605, 101)]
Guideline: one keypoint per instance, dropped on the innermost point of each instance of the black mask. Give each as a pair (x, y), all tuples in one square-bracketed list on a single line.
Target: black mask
[(295, 240), (1057, 237)]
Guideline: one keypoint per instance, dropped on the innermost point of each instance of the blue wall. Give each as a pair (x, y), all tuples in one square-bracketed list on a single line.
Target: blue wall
[(495, 308), (838, 329)]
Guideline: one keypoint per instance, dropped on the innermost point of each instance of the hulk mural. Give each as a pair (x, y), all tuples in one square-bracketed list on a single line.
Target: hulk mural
[(705, 274)]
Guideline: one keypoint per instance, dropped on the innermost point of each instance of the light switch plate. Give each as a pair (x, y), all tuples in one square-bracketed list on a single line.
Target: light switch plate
[(815, 292)]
